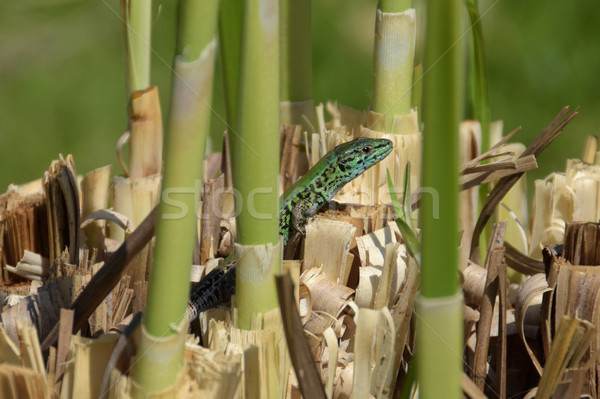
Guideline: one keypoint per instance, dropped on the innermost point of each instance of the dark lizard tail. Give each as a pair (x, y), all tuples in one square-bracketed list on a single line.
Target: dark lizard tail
[(215, 288)]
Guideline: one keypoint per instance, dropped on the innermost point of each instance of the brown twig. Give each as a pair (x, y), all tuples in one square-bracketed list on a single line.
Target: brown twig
[(302, 360), (521, 262), (107, 277), (542, 141), (486, 309)]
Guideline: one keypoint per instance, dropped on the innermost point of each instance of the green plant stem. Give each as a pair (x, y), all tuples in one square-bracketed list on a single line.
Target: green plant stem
[(230, 39), (479, 100), (189, 121), (441, 111), (393, 60), (193, 38), (480, 97), (439, 346), (137, 15), (440, 305), (255, 159)]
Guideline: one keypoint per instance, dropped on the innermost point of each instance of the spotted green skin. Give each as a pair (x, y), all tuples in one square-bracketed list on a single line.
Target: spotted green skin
[(298, 203), (322, 182)]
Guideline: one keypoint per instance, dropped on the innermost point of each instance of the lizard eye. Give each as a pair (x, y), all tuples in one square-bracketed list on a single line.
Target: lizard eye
[(366, 150)]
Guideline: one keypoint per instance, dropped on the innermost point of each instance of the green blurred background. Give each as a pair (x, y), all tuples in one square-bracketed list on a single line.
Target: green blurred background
[(62, 84)]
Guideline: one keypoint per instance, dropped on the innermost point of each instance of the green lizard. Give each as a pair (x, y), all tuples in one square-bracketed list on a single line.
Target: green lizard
[(298, 203)]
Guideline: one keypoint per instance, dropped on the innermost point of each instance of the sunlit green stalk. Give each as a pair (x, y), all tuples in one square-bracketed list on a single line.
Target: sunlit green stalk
[(165, 321), (255, 162), (230, 38), (137, 15), (393, 59), (439, 306), (441, 113)]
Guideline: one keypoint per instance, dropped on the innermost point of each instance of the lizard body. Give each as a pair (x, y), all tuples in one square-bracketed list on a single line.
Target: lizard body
[(297, 204)]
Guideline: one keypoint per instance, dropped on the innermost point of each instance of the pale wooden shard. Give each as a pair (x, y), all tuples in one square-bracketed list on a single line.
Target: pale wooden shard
[(86, 361), (265, 362), (564, 197), (372, 251), (290, 146), (32, 266), (210, 224), (94, 197), (590, 149), (146, 133), (135, 198), (23, 383), (322, 237)]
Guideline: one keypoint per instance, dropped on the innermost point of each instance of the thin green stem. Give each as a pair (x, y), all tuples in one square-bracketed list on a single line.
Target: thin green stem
[(442, 88), (439, 306), (230, 39), (255, 159), (137, 15), (189, 121), (193, 37), (479, 99)]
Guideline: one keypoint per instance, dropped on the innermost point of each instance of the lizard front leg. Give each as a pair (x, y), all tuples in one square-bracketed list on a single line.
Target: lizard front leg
[(301, 211)]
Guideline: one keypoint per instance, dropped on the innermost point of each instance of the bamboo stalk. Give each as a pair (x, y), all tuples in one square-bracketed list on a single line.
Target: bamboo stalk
[(230, 38), (136, 194), (255, 162), (145, 158), (439, 305), (395, 33), (165, 321), (137, 15), (440, 151)]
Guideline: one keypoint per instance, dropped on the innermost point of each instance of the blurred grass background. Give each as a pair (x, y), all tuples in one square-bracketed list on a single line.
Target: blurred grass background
[(62, 83)]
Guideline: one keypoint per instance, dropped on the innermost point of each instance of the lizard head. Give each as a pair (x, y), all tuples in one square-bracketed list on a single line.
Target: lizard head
[(358, 155)]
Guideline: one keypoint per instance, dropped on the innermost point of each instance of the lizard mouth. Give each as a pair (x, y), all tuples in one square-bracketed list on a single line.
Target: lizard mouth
[(382, 149), (372, 153)]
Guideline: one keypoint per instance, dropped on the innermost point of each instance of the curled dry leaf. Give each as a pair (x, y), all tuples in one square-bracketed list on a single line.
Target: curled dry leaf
[(327, 297), (474, 277), (530, 298)]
